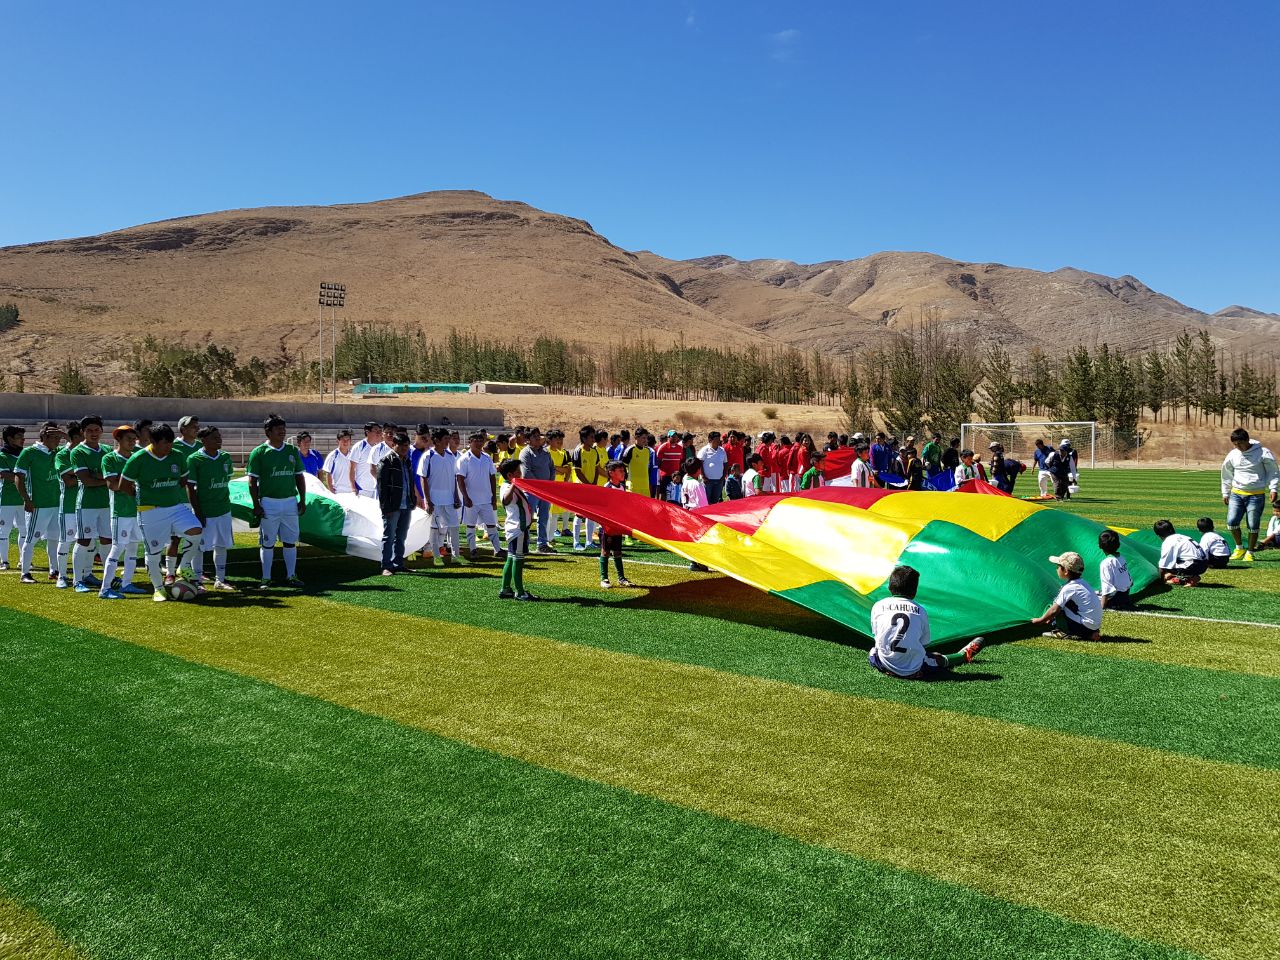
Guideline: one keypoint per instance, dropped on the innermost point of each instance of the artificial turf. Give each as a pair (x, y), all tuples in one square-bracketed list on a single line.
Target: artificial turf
[(1126, 786)]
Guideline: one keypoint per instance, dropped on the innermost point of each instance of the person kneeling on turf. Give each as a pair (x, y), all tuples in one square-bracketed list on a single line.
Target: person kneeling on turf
[(1076, 611), (1182, 561), (901, 631), (1214, 544)]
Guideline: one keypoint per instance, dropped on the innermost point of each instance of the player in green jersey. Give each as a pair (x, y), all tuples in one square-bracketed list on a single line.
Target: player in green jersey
[(124, 518), (93, 504), (70, 493), (209, 471), (12, 516), (158, 477), (186, 443), (38, 484), (278, 486)]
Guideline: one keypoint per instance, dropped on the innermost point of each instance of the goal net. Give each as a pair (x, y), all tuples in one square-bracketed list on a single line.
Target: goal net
[(1019, 439)]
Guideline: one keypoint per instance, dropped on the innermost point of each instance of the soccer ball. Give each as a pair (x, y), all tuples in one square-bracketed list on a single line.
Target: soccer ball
[(182, 590)]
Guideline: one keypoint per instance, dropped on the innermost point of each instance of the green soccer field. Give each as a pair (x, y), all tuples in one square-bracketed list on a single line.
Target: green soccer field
[(408, 767)]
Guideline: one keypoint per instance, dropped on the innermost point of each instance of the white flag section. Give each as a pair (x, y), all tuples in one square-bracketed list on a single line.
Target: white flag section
[(342, 522)]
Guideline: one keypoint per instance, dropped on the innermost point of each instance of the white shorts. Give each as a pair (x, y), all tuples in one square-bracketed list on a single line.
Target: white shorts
[(160, 524), (769, 485), (44, 523), (371, 493), (482, 514), (445, 518), (125, 532), (93, 524), (217, 533), (279, 521), (12, 518)]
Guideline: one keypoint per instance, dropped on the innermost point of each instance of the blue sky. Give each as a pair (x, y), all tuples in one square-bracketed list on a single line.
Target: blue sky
[(1120, 137)]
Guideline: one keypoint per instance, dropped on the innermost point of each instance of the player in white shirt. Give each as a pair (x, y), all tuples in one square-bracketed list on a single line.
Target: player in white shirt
[(966, 470), (336, 471), (438, 469), (1114, 579), (1182, 562), (1076, 611), (362, 478), (1215, 547), (753, 480), (860, 473), (1272, 540), (478, 486), (900, 628)]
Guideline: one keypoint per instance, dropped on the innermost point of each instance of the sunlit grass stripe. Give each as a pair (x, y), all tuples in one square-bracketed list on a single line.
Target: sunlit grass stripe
[(24, 935), (170, 810), (1040, 818), (718, 623)]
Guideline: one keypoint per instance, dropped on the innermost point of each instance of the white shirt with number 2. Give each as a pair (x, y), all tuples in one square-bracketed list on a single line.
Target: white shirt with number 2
[(901, 630)]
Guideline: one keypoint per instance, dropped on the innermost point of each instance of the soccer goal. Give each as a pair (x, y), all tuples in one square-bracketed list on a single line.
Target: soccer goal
[(1019, 439)]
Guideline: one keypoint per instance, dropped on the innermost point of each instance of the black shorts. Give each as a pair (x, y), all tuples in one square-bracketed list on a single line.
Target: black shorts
[(1073, 628), (1218, 563), (1120, 600), (1195, 568), (610, 544)]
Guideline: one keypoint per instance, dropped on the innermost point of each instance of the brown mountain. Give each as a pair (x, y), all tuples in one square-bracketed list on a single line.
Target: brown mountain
[(247, 279)]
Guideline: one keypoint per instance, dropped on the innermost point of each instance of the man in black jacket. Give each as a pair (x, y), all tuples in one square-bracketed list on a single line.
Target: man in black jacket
[(397, 498)]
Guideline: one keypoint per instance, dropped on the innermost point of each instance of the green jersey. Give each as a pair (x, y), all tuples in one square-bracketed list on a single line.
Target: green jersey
[(812, 478), (62, 462), (122, 505), (161, 481), (9, 495), (277, 470), (187, 449), (210, 476), (44, 486), (85, 457)]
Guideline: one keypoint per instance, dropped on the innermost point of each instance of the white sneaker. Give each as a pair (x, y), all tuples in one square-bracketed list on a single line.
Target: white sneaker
[(606, 585), (159, 596)]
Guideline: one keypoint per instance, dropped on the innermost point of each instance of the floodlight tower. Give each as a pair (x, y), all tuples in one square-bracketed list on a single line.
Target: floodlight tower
[(333, 296)]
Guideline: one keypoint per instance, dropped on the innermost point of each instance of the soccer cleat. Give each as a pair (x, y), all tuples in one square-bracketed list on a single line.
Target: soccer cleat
[(62, 583), (116, 584), (92, 581), (264, 585), (1248, 556), (606, 585), (1190, 582), (223, 586), (159, 596), (506, 594), (53, 574), (1237, 553), (1056, 634), (546, 548), (4, 565), (499, 554), (27, 578), (133, 590), (295, 581), (110, 595), (970, 649), (527, 596), (83, 587), (627, 584)]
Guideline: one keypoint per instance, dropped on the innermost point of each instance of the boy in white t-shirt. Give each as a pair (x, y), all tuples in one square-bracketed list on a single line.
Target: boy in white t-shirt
[(900, 628), (1182, 562), (753, 479), (1114, 579), (1214, 545), (1076, 611), (1272, 539)]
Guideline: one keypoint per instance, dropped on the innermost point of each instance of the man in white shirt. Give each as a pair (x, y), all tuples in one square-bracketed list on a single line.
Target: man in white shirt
[(1182, 562), (478, 487), (1076, 612), (1249, 475), (900, 628), (363, 479), (336, 471), (713, 457), (438, 469)]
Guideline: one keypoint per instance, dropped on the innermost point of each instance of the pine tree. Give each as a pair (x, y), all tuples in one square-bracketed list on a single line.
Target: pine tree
[(998, 391), (1154, 383)]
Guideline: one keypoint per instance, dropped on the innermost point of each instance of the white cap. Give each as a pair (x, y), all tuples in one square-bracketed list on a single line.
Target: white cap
[(1065, 442), (858, 436)]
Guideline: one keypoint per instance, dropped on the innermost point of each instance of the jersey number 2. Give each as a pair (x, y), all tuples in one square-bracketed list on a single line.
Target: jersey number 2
[(903, 623)]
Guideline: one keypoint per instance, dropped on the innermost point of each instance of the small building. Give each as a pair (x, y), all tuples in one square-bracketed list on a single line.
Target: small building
[(492, 386)]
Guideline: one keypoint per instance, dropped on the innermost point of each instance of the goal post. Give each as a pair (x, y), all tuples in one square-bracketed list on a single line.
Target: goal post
[(1018, 439)]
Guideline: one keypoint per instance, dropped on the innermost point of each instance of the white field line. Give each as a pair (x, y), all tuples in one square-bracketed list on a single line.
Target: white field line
[(1177, 616)]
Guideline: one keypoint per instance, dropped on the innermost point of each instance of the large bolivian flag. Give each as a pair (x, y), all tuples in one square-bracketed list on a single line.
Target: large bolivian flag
[(983, 560)]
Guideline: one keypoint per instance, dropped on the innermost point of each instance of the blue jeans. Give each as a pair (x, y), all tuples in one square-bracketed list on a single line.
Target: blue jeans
[(1240, 507), (395, 527), (715, 489), (542, 510)]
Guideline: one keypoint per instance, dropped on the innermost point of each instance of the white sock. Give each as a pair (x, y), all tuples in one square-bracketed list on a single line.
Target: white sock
[(220, 563), (171, 565), (471, 537), (197, 564), (493, 538), (109, 566), (154, 561), (81, 561), (592, 527), (290, 560), (577, 529), (64, 556), (266, 555), (130, 568)]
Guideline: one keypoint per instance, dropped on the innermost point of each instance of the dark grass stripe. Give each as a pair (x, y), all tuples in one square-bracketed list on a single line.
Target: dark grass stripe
[(724, 625), (156, 808)]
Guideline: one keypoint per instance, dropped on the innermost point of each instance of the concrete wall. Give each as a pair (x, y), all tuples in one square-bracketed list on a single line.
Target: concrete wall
[(31, 407)]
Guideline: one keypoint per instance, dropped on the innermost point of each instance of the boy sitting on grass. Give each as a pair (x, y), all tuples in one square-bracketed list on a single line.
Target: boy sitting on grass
[(1214, 545), (1113, 574), (611, 543), (901, 631), (1182, 562), (1076, 611), (1272, 540)]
